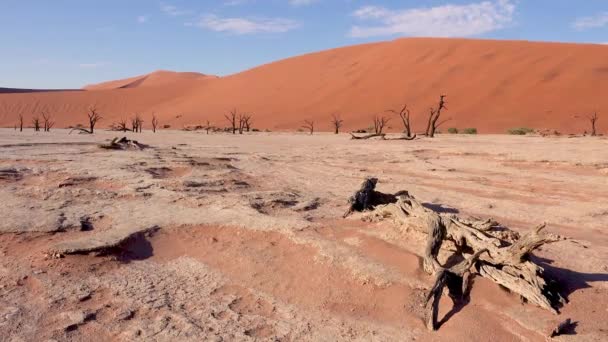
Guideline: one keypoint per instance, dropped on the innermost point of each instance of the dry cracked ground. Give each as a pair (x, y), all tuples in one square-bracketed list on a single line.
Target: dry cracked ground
[(240, 238)]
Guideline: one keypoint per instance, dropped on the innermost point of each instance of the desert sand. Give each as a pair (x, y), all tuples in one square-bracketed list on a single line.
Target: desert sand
[(241, 237), (490, 85)]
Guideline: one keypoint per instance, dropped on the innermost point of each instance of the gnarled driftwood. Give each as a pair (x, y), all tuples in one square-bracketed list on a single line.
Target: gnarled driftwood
[(497, 253)]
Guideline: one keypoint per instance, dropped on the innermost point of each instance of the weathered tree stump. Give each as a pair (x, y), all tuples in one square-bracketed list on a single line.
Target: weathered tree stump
[(497, 253)]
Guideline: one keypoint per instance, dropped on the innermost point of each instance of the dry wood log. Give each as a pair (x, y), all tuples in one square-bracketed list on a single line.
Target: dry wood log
[(402, 138), (506, 262), (368, 136), (123, 144)]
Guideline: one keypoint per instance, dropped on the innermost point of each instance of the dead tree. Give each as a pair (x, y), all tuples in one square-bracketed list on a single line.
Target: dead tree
[(154, 122), (48, 124), (404, 115), (208, 126), (20, 122), (435, 114), (495, 251), (309, 125), (245, 123), (336, 121), (137, 123), (36, 123), (121, 125), (379, 123), (592, 120), (94, 116), (232, 119)]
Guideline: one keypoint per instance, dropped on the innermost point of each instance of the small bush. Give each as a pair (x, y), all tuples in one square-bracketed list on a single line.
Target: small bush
[(255, 130), (453, 130), (166, 126), (520, 131), (469, 131)]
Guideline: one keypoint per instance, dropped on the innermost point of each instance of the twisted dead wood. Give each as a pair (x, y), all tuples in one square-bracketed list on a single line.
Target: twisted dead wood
[(497, 253)]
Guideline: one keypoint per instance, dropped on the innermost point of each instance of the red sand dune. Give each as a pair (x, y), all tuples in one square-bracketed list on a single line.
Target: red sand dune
[(157, 78), (490, 85)]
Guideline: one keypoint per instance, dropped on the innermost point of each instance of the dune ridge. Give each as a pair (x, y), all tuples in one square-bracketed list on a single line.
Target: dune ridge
[(490, 85)]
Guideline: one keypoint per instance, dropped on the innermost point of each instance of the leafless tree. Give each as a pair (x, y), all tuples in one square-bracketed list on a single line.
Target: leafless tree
[(20, 122), (247, 122), (154, 122), (309, 125), (232, 119), (121, 125), (592, 120), (336, 121), (36, 122), (379, 123), (94, 116), (435, 113), (48, 124), (137, 123), (208, 126), (404, 115)]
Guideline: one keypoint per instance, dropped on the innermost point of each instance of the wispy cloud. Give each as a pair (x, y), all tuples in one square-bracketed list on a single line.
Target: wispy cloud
[(92, 65), (245, 25), (173, 10), (595, 21), (142, 19), (441, 21)]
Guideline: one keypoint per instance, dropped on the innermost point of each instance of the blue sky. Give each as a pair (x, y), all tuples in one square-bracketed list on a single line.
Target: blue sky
[(69, 43)]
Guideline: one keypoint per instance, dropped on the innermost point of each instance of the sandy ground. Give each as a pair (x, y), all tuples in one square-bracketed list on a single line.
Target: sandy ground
[(241, 237)]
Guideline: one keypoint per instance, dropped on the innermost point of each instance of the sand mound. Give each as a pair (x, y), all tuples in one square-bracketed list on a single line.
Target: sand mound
[(490, 85), (157, 78)]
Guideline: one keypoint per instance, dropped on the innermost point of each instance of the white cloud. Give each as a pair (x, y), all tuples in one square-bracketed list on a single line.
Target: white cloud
[(92, 65), (142, 19), (441, 21), (244, 25), (173, 10), (584, 23)]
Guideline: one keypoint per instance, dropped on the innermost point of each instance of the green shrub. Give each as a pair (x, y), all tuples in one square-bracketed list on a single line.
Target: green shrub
[(469, 131), (520, 131), (453, 130)]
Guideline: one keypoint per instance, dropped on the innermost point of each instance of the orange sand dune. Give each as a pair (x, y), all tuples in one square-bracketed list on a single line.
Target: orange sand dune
[(157, 78), (490, 85)]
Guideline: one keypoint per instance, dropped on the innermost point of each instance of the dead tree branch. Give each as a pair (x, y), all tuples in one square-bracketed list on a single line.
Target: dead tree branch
[(368, 136), (496, 252), (121, 125)]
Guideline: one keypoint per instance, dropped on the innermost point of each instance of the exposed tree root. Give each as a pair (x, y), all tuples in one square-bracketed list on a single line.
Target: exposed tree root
[(498, 253)]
